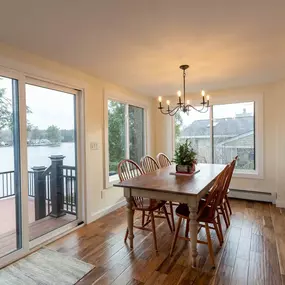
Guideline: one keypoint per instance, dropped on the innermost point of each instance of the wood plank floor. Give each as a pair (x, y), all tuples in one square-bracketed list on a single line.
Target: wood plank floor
[(253, 251)]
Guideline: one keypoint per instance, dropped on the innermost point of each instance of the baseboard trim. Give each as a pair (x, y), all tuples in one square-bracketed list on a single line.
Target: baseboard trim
[(95, 216), (252, 195), (280, 203)]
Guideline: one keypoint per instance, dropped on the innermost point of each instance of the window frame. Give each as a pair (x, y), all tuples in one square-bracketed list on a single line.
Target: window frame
[(258, 173), (123, 99)]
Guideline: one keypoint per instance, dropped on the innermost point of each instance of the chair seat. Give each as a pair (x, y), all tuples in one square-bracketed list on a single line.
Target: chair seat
[(206, 216), (148, 204)]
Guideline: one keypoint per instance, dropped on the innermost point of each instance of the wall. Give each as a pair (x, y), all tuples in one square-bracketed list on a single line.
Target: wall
[(273, 131), (98, 199)]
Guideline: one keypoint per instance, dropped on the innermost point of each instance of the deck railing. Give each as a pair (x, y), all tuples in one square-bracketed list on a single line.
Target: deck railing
[(55, 185)]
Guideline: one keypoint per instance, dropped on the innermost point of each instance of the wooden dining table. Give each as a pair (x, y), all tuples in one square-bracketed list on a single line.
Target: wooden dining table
[(163, 185)]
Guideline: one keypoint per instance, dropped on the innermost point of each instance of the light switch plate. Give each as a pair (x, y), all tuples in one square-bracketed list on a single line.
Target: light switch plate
[(94, 146)]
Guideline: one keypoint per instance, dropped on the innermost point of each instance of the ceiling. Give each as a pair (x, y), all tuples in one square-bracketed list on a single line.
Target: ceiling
[(140, 44)]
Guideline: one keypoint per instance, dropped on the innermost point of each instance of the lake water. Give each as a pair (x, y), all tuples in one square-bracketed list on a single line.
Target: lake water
[(38, 156)]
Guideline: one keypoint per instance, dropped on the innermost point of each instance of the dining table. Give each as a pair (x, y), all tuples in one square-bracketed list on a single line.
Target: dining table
[(164, 184)]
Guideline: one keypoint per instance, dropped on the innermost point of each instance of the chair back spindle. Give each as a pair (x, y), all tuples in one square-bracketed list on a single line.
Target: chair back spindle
[(149, 164), (128, 169), (163, 160)]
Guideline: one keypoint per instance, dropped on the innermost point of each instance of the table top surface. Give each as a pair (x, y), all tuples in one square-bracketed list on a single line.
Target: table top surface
[(161, 180)]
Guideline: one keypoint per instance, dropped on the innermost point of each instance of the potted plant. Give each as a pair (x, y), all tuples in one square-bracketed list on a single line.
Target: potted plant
[(185, 158)]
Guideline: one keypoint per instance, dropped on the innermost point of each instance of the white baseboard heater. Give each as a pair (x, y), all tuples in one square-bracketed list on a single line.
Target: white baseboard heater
[(252, 195)]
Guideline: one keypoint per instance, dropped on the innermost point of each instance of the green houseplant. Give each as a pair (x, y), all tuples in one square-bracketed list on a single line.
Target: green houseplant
[(185, 158)]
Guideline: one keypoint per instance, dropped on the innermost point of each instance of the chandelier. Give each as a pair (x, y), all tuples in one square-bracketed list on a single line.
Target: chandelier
[(184, 106)]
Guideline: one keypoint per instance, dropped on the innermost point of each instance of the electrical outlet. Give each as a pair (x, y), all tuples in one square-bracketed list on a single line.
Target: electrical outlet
[(94, 146)]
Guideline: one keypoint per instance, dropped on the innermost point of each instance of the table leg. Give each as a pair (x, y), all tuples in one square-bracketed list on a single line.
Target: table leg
[(130, 217), (193, 234)]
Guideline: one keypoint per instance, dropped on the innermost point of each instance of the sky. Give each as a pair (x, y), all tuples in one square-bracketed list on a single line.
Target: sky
[(219, 111), (49, 107)]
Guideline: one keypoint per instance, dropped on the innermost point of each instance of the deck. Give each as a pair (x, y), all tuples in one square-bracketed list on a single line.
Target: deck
[(36, 228)]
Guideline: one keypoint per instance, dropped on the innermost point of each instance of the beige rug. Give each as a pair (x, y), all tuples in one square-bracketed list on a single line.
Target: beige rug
[(45, 267)]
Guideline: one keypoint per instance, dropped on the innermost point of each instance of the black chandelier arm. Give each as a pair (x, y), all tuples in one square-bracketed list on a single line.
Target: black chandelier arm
[(169, 112), (204, 109)]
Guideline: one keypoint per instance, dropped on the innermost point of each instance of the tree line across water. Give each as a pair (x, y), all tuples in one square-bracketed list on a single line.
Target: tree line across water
[(52, 135)]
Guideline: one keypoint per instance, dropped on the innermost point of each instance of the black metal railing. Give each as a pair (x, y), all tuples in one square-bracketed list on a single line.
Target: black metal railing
[(69, 188), (31, 184), (7, 184), (58, 185)]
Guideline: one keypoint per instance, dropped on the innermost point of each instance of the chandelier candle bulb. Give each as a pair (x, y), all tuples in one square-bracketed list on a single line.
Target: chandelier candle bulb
[(168, 103), (159, 100), (208, 100), (203, 95), (179, 96)]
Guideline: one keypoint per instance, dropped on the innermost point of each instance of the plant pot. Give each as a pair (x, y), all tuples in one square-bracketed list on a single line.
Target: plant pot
[(185, 168)]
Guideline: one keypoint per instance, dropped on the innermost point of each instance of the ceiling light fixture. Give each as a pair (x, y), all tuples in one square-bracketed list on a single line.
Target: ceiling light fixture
[(184, 106)]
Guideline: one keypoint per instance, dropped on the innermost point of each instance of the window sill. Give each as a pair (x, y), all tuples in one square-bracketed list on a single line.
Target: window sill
[(112, 180), (247, 174)]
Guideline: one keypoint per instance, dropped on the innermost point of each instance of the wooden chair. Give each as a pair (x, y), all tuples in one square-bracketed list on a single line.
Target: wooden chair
[(128, 169), (163, 160), (228, 190), (207, 214), (149, 164), (222, 204)]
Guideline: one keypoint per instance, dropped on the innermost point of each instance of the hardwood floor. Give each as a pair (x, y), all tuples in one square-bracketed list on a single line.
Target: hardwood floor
[(253, 251)]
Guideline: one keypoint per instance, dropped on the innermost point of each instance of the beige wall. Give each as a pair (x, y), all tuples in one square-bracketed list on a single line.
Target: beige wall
[(273, 131), (97, 198)]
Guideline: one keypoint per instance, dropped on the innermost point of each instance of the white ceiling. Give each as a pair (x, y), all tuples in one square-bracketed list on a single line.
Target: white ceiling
[(141, 43)]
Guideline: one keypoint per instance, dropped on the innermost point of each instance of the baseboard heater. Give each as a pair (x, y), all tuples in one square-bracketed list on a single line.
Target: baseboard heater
[(252, 195)]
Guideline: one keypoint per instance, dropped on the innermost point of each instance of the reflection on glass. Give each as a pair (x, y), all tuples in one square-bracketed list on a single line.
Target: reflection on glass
[(51, 159), (10, 200), (233, 129), (196, 128), (136, 133)]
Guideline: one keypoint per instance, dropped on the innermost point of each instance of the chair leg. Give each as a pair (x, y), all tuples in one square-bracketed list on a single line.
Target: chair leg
[(228, 203), (187, 228), (227, 213), (153, 230), (224, 215), (172, 215), (218, 233), (167, 218), (175, 235), (211, 252), (126, 235), (143, 218), (220, 227)]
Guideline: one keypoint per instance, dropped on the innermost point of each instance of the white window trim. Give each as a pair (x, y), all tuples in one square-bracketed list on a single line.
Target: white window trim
[(121, 98), (258, 173)]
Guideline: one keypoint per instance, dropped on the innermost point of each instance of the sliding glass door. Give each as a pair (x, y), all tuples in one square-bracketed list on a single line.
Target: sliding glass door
[(39, 138), (10, 180), (51, 149)]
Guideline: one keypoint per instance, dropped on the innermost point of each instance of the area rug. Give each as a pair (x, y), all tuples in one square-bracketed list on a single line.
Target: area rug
[(45, 267)]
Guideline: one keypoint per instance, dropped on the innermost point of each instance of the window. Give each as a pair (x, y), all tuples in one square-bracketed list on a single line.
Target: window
[(220, 134), (196, 128), (125, 135), (234, 134)]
